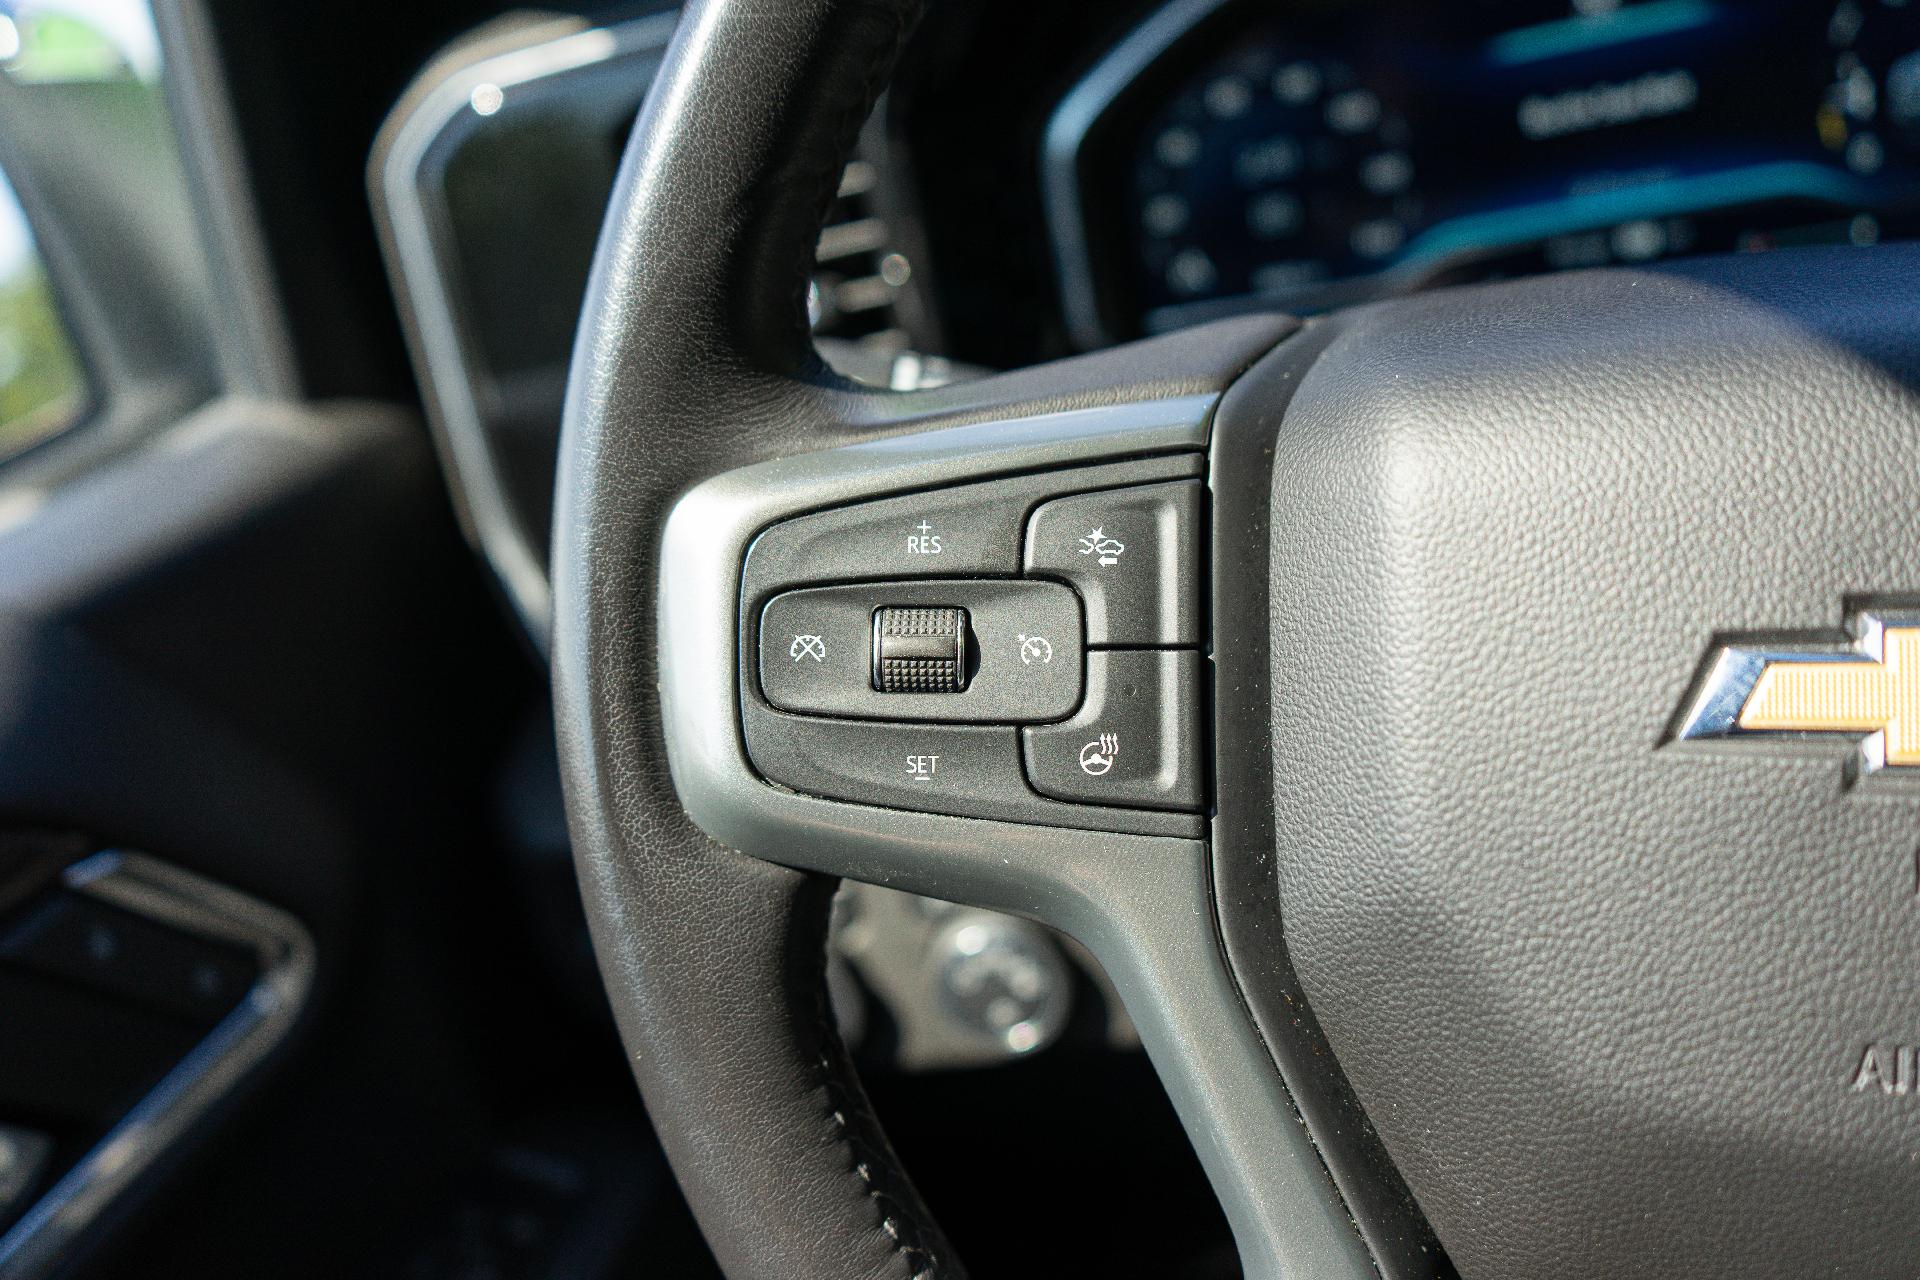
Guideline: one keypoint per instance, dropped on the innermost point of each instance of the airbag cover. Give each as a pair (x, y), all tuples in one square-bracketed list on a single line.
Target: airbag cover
[(1605, 996)]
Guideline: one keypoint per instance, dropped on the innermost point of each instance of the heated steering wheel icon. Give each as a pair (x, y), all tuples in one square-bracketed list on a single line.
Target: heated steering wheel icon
[(1097, 756)]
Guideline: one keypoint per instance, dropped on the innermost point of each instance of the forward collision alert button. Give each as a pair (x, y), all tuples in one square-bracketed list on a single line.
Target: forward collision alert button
[(1133, 554)]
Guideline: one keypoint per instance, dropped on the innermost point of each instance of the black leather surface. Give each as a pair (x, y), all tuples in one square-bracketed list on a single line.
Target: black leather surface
[(693, 358), (1604, 997)]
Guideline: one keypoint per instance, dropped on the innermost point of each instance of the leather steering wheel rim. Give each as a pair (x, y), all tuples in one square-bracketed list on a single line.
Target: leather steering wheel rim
[(694, 357), (715, 960)]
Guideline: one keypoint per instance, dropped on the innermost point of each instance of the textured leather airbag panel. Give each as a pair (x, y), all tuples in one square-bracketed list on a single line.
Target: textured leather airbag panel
[(1604, 998)]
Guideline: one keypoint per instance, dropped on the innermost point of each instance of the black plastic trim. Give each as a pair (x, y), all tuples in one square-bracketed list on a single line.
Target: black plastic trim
[(1246, 891)]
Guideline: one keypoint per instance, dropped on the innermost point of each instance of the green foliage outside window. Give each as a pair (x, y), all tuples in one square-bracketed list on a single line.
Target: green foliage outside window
[(41, 382)]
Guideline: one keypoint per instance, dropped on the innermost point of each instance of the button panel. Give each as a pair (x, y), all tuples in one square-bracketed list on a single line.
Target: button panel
[(1137, 739), (1132, 554), (971, 530), (970, 771), (1025, 649), (74, 938)]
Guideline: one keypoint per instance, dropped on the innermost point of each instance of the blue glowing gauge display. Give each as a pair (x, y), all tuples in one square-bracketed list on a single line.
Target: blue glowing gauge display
[(1329, 152)]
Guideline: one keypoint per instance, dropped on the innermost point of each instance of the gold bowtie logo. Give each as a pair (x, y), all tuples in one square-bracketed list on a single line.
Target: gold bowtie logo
[(1870, 691), (1861, 696)]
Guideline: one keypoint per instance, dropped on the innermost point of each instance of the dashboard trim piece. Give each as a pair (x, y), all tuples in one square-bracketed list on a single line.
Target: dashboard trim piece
[(182, 900), (1066, 136), (440, 346)]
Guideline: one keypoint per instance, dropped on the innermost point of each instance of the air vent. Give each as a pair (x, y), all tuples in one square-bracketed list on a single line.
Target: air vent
[(857, 277)]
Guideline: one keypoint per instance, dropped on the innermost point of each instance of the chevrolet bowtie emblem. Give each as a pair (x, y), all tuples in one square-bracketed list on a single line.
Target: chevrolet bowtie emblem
[(1869, 691)]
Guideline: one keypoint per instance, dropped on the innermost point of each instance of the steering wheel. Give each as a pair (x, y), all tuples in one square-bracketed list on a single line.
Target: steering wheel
[(1482, 766)]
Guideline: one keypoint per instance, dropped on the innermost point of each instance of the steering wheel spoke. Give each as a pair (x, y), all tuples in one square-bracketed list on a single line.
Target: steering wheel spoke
[(776, 582)]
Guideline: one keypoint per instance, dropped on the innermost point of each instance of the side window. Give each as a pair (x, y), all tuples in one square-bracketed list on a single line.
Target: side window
[(42, 387), (91, 199)]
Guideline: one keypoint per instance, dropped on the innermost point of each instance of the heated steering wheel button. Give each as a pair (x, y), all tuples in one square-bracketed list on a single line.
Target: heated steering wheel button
[(1134, 556), (1136, 741)]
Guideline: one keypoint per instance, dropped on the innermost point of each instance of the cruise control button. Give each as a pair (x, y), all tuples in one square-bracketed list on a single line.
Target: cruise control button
[(1134, 556), (1136, 740), (971, 529), (919, 649), (1021, 663), (937, 768)]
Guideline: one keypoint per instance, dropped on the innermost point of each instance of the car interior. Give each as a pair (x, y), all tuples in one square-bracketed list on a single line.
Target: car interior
[(803, 639)]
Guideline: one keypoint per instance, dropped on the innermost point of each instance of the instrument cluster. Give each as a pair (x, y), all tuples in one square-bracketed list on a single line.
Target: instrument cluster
[(1226, 155)]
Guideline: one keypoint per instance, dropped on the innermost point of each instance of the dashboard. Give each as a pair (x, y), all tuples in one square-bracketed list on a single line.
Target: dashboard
[(1225, 156)]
